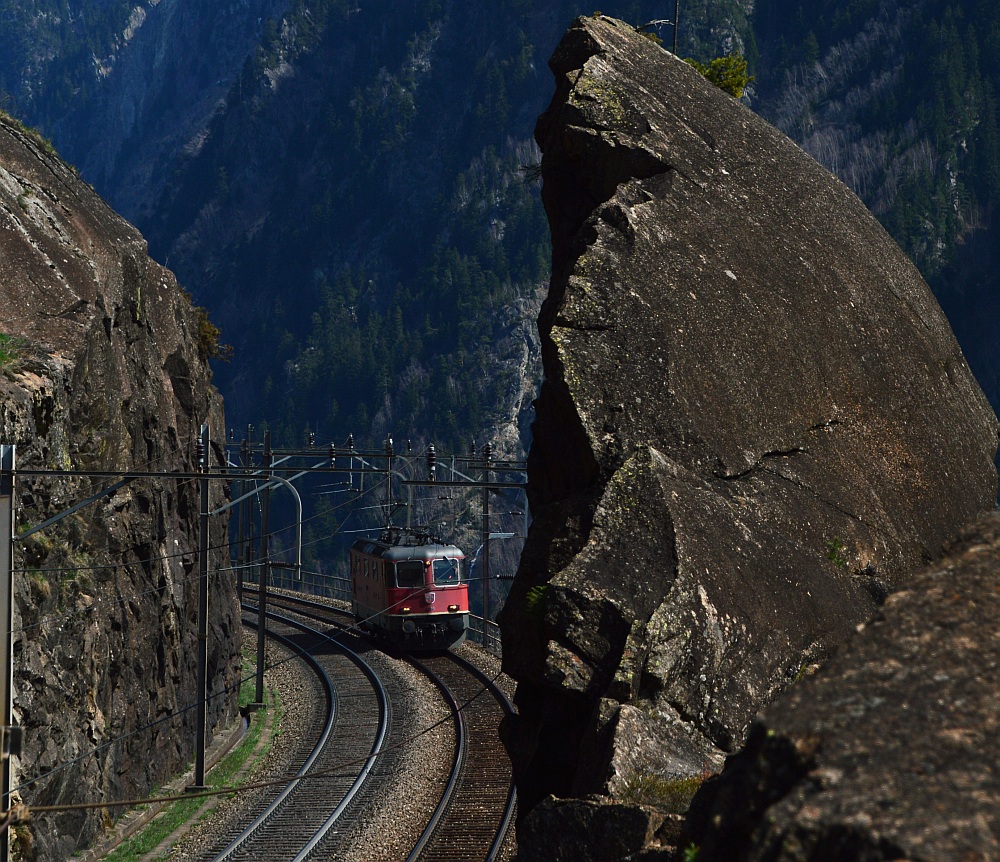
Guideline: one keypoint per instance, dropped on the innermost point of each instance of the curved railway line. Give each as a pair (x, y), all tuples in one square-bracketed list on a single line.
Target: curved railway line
[(352, 730), (471, 819), (475, 815)]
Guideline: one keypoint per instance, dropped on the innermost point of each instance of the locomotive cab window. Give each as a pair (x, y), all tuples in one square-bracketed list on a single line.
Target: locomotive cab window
[(410, 573), (446, 572)]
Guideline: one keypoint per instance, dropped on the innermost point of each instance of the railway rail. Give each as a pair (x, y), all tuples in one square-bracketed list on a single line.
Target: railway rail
[(472, 819), (475, 816), (301, 818)]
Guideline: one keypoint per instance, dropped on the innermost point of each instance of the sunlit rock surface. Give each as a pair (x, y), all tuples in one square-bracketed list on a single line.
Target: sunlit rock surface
[(755, 423), (888, 751), (102, 368)]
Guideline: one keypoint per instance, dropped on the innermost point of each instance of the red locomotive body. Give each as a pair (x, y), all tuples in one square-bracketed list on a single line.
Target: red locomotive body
[(409, 588)]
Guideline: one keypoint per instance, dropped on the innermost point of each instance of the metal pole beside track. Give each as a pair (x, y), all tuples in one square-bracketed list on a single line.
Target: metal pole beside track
[(241, 542), (485, 568), (250, 547), (263, 572), (199, 754), (6, 620), (677, 12)]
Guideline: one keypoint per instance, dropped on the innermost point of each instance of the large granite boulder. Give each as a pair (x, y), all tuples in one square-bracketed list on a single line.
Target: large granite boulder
[(888, 752), (755, 422), (102, 367)]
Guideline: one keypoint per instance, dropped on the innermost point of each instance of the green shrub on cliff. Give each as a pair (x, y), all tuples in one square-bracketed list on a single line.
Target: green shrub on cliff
[(11, 352), (836, 553), (44, 143), (209, 336), (728, 73)]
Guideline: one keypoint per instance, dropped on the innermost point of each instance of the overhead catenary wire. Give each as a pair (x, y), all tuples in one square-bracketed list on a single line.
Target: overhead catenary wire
[(24, 813), (125, 598), (180, 711), (316, 642), (27, 811), (138, 473)]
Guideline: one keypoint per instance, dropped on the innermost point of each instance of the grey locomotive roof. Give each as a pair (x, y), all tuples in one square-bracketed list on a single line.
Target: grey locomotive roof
[(407, 552)]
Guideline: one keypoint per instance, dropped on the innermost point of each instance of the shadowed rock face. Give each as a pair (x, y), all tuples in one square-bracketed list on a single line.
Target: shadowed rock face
[(888, 751), (101, 368), (755, 421)]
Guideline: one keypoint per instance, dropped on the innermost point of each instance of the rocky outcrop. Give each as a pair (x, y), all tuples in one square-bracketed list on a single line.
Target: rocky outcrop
[(102, 367), (755, 422), (886, 753)]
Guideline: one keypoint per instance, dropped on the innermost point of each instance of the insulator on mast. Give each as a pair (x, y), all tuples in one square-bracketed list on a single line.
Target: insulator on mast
[(431, 463)]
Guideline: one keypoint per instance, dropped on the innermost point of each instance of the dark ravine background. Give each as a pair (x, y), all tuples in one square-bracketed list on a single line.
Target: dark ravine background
[(287, 159), (349, 186), (349, 189)]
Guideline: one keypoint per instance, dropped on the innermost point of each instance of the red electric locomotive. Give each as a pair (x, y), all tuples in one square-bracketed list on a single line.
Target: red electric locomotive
[(408, 587)]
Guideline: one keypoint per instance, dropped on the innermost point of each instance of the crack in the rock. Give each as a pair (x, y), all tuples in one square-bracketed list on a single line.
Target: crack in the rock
[(71, 309), (681, 173), (562, 323), (790, 452), (759, 463)]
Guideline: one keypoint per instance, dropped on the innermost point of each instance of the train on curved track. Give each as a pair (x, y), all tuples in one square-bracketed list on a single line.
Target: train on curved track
[(409, 588)]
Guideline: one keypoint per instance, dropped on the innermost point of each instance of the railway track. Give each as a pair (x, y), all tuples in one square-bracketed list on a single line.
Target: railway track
[(477, 803), (340, 750), (474, 817)]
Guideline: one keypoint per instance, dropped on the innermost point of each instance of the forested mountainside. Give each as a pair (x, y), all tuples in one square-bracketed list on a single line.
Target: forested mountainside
[(364, 211), (123, 86), (356, 204), (899, 99), (360, 213), (350, 187)]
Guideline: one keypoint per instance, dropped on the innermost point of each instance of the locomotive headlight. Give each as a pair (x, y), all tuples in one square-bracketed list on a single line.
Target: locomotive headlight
[(453, 608), (405, 610)]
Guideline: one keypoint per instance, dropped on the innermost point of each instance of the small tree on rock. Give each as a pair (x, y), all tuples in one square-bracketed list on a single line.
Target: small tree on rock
[(728, 73)]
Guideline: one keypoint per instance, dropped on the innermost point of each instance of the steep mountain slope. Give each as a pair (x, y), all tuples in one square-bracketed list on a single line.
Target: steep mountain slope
[(327, 175), (102, 368), (122, 87), (354, 215)]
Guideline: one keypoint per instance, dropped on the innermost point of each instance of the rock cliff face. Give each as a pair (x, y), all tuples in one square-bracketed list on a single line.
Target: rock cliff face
[(886, 753), (755, 421), (101, 368)]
